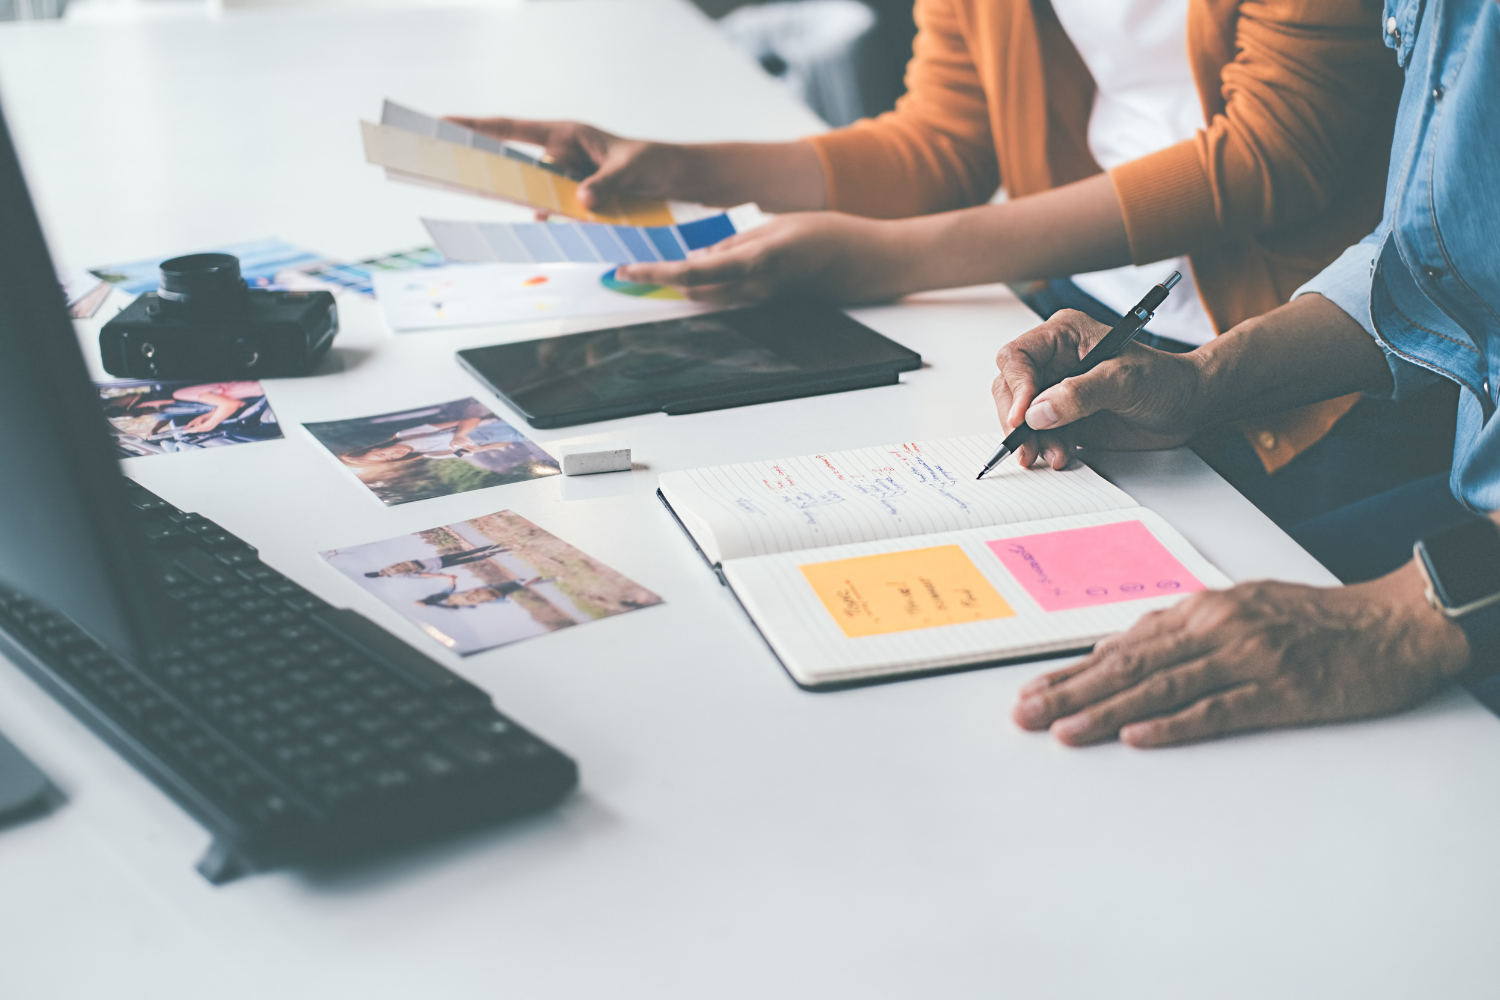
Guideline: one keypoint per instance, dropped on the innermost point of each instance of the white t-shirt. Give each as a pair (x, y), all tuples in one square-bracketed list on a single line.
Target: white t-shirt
[(1146, 100), (429, 439)]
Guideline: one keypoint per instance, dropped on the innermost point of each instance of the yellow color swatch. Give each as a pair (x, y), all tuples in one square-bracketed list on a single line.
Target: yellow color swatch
[(489, 173), (901, 591), (505, 179)]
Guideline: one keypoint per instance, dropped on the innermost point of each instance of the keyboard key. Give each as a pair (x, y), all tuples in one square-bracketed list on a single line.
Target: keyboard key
[(388, 778), (434, 764), (357, 755), (474, 749), (400, 742)]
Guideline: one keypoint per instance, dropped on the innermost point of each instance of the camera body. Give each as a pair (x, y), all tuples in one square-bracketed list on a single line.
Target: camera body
[(204, 323)]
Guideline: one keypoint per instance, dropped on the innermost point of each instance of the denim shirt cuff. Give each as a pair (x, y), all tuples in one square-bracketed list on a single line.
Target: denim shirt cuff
[(1346, 283)]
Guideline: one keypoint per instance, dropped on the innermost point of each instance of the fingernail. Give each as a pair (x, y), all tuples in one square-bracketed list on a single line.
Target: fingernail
[(1134, 735), (1041, 415), (1070, 728), (1031, 710), (1034, 685)]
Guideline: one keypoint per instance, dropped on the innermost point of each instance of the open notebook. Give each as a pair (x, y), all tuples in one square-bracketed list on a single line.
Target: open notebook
[(882, 562)]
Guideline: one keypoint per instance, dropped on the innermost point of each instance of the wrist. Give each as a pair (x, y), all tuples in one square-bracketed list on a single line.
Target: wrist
[(778, 176), (1211, 384), (888, 260), (1425, 631), (694, 173)]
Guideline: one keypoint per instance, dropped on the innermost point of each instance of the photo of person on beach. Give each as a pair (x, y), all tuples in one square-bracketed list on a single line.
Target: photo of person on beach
[(489, 581), (433, 451), (159, 418)]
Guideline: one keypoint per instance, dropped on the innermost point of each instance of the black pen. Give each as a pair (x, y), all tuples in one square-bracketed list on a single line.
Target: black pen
[(1113, 343)]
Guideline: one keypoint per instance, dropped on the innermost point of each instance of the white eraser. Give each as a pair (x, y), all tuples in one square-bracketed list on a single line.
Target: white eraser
[(587, 461)]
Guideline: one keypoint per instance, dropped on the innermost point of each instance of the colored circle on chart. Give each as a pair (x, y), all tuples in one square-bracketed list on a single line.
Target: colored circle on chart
[(614, 284)]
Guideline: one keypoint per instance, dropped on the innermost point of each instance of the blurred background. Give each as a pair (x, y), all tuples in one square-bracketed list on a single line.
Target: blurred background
[(845, 59)]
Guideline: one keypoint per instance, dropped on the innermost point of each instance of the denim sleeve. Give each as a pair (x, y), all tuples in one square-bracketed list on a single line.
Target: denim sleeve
[(1346, 283)]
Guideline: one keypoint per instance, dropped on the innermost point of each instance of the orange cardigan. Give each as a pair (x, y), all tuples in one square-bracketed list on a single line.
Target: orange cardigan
[(1300, 99)]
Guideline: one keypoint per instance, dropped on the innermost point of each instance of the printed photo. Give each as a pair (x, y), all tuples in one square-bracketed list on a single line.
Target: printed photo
[(489, 581), (154, 418), (434, 451), (260, 263)]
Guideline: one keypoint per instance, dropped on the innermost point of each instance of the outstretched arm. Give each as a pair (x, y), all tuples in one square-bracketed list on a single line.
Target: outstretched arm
[(779, 176), (1068, 230)]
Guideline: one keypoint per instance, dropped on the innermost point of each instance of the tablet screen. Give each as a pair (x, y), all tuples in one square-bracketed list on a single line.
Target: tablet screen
[(650, 366)]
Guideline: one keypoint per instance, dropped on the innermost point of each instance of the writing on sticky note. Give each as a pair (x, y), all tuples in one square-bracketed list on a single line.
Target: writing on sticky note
[(900, 591), (1083, 567)]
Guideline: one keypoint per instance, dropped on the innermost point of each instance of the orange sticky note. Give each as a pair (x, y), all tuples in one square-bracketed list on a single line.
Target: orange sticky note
[(901, 591)]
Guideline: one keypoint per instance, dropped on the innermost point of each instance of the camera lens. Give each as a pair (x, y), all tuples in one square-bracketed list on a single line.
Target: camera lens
[(243, 353), (202, 279)]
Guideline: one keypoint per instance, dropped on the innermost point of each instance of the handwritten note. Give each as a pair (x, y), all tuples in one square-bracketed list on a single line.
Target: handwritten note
[(900, 591), (1085, 567), (892, 491)]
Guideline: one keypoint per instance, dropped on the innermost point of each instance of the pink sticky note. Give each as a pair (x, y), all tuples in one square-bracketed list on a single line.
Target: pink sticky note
[(1082, 567)]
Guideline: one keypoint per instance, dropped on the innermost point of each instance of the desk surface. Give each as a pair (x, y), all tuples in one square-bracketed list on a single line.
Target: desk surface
[(734, 836)]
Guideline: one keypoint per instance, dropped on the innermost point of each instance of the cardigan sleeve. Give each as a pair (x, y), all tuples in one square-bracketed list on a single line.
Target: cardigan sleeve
[(934, 152), (1308, 96)]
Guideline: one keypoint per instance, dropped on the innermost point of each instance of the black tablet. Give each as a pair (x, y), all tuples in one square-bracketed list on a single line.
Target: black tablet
[(779, 350)]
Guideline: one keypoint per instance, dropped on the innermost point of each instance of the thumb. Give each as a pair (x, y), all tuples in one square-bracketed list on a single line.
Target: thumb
[(1072, 399), (604, 184)]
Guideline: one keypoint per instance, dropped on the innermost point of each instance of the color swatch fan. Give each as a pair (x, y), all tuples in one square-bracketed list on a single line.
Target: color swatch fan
[(417, 147)]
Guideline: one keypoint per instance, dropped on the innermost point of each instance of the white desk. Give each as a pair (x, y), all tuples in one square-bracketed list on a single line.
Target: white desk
[(734, 837)]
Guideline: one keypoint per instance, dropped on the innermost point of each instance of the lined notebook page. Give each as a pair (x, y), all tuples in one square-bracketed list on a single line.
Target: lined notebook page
[(893, 491), (816, 650)]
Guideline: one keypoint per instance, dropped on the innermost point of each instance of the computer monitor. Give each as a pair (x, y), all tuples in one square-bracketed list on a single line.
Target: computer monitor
[(65, 535)]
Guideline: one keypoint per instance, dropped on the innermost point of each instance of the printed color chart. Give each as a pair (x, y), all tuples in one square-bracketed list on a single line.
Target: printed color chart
[(572, 242)]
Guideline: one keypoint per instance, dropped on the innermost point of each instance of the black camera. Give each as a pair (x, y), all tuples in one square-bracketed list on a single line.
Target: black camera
[(204, 323)]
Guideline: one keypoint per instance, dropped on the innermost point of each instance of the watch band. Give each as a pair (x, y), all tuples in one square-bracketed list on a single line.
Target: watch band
[(1482, 629)]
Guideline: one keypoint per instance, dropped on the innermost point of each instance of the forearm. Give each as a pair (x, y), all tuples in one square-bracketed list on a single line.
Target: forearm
[(777, 176), (1303, 352), (1073, 229)]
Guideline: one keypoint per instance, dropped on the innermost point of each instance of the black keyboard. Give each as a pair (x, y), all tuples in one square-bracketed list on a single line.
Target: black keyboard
[(294, 731)]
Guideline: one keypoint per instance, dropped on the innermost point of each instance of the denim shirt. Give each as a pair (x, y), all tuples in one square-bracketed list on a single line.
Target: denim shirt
[(1426, 283)]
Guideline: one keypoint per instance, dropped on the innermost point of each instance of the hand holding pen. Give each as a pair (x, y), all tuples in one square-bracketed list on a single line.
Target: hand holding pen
[(1115, 341)]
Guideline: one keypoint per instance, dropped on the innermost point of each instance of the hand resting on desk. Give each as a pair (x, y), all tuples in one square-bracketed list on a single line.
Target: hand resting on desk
[(1257, 655)]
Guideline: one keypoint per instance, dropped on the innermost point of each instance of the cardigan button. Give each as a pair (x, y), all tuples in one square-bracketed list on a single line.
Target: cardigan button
[(1266, 440)]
